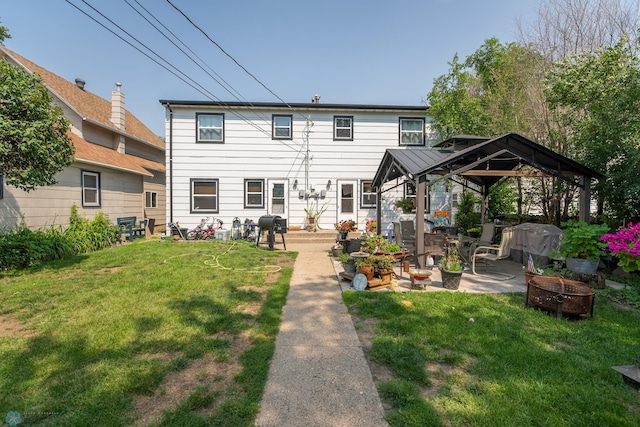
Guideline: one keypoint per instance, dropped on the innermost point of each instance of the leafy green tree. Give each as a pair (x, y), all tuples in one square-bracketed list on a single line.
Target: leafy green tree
[(34, 143), (597, 96)]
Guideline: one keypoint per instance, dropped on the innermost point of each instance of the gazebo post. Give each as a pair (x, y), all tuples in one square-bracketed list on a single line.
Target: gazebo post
[(378, 210), (484, 209), (420, 192), (584, 203)]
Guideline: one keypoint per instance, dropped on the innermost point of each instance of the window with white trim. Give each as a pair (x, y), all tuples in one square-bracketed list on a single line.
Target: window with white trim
[(411, 131), (343, 128), (210, 127), (410, 192), (254, 193), (204, 195), (368, 196), (90, 188), (282, 127), (150, 199)]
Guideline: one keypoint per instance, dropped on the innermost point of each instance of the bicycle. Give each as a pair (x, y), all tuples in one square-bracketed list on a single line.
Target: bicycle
[(210, 231), (203, 231)]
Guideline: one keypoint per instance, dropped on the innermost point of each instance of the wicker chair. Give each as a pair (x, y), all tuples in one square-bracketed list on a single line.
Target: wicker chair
[(494, 252)]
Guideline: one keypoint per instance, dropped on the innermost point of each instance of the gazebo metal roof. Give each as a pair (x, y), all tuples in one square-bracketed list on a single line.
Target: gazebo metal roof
[(481, 160)]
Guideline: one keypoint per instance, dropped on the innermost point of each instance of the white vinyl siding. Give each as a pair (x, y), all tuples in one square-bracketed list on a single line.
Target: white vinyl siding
[(250, 153)]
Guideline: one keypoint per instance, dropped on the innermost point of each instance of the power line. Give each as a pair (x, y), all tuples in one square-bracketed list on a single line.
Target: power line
[(231, 57), (193, 85)]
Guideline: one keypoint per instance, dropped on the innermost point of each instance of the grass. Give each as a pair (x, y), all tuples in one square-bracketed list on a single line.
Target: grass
[(150, 333), (460, 359)]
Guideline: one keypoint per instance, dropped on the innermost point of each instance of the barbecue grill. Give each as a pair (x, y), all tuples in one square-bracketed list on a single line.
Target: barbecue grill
[(272, 224)]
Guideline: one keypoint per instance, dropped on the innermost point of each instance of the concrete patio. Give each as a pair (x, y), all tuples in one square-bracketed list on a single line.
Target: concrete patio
[(485, 282)]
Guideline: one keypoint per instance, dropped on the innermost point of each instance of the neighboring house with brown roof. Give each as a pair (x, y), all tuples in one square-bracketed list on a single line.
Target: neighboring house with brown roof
[(119, 166)]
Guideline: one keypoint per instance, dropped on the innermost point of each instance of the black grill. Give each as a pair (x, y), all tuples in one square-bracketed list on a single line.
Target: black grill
[(272, 224)]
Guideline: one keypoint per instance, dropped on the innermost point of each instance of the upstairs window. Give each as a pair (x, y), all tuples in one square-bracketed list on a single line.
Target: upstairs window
[(411, 131), (210, 127), (282, 127), (90, 189), (254, 193), (204, 195), (343, 128)]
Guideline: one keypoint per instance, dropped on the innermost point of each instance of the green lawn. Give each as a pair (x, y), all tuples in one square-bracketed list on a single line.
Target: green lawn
[(149, 333), (458, 359)]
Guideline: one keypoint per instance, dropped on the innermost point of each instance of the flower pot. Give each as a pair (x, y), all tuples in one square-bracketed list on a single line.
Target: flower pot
[(528, 276), (451, 279), (336, 251), (349, 268), (580, 265), (368, 270), (385, 276), (342, 234)]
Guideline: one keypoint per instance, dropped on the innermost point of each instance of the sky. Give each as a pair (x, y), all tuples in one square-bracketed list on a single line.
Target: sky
[(346, 51)]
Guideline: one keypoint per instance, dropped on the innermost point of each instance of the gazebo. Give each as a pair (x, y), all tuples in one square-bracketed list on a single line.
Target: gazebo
[(482, 161)]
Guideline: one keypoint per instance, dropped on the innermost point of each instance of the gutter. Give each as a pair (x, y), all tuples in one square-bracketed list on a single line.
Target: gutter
[(170, 162)]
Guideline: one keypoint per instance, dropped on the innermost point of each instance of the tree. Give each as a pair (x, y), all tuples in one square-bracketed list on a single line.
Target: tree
[(598, 98), (34, 140), (568, 27)]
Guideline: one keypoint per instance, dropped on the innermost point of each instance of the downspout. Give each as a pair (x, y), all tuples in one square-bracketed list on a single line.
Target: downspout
[(170, 163)]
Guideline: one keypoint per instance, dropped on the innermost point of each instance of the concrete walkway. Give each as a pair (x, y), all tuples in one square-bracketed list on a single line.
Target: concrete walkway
[(318, 375)]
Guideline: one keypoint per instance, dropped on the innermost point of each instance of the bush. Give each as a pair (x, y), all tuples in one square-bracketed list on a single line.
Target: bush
[(88, 236), (23, 247)]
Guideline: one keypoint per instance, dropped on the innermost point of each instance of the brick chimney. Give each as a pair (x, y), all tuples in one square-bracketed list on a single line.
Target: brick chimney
[(117, 116)]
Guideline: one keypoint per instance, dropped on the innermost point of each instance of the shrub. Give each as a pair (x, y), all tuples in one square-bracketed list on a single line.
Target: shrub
[(23, 247)]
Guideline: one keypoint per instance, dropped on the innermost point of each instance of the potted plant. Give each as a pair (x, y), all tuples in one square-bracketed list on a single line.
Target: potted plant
[(374, 244), (474, 232), (407, 204), (451, 269), (581, 245), (313, 216), (344, 227), (366, 266), (383, 266), (466, 215), (337, 249), (625, 245), (348, 263)]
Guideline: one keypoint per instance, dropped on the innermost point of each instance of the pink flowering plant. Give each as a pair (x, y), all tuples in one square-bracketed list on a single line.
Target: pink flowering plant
[(625, 245)]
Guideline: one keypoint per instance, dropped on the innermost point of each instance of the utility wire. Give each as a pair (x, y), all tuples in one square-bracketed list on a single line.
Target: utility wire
[(231, 57), (227, 86), (192, 84)]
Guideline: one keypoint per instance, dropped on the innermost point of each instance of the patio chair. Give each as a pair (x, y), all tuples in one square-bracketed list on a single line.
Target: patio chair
[(468, 244), (494, 253)]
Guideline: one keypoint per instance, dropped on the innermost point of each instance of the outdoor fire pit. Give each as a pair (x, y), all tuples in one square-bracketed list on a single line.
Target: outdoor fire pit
[(559, 295)]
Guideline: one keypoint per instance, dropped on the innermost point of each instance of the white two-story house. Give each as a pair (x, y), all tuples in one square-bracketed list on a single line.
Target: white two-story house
[(245, 160)]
